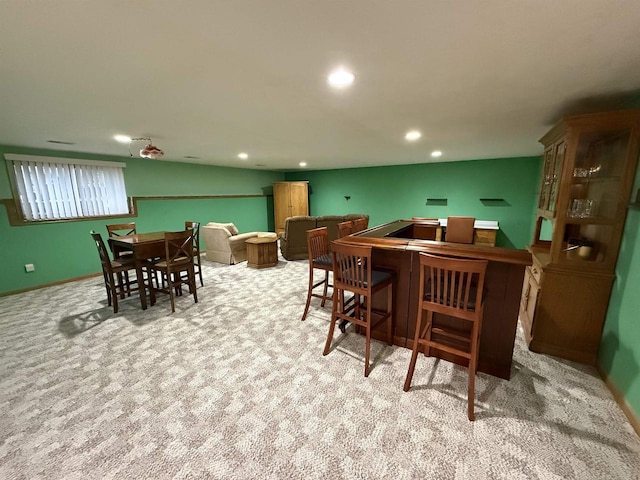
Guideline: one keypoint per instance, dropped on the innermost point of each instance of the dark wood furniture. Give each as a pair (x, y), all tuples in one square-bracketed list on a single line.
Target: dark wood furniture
[(143, 246), (453, 287), (425, 229), (290, 199), (113, 272), (197, 259), (262, 252), (177, 259), (395, 248), (588, 172), (345, 228), (360, 224), (460, 229), (120, 230), (485, 231), (353, 272), (319, 259)]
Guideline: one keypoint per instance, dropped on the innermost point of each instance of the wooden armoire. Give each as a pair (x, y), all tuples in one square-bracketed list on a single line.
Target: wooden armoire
[(289, 199)]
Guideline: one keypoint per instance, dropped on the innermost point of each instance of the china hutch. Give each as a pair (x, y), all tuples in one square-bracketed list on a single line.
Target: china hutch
[(589, 164)]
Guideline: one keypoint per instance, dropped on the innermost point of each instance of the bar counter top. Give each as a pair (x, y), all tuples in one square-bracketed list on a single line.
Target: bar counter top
[(395, 249), (383, 237)]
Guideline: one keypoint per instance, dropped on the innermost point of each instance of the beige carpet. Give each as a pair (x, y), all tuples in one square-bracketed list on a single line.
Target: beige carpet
[(235, 387)]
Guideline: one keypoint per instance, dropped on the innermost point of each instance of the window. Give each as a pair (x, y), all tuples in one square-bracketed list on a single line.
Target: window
[(51, 188)]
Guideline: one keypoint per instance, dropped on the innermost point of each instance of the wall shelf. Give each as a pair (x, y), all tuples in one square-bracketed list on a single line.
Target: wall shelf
[(495, 202)]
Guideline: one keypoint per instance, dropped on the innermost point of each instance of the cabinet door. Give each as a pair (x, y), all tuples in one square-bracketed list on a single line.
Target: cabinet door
[(598, 195), (556, 170), (299, 199), (543, 198), (281, 204)]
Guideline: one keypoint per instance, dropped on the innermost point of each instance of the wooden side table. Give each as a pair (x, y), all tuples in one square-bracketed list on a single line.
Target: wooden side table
[(262, 252)]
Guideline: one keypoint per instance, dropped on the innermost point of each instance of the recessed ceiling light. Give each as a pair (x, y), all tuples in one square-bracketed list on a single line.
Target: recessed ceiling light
[(122, 138), (436, 153), (243, 156), (412, 135), (303, 164), (340, 78)]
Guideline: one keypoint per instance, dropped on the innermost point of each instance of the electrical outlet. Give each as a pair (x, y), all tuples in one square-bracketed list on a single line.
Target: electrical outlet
[(29, 267)]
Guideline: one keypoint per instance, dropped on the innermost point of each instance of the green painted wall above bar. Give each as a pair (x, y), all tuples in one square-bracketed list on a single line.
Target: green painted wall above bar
[(390, 193)]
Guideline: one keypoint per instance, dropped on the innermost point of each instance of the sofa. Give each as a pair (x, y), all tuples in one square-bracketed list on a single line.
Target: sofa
[(224, 244), (293, 241)]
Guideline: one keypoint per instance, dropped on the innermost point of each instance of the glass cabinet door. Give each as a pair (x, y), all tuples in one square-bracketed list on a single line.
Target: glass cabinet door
[(543, 199), (558, 159), (552, 169), (595, 196)]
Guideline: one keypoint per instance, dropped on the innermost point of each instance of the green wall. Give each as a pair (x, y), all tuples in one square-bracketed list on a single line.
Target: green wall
[(64, 250), (619, 353), (389, 193)]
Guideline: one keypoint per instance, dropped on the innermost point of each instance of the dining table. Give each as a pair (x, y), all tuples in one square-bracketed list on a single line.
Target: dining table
[(143, 246)]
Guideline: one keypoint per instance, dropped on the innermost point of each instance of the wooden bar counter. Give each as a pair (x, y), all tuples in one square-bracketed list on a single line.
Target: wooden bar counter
[(395, 248)]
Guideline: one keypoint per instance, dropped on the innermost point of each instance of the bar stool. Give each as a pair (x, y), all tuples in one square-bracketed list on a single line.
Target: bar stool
[(460, 229), (319, 258), (352, 272), (451, 287), (197, 260), (178, 258), (345, 228), (359, 224), (112, 270)]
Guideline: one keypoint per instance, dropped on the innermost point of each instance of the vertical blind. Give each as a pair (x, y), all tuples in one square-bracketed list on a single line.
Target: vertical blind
[(58, 189)]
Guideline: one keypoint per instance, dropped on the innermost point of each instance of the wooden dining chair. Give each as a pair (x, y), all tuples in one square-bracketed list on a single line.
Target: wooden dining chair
[(359, 224), (460, 229), (352, 272), (452, 287), (197, 260), (178, 258), (115, 282), (319, 259), (345, 228), (121, 230)]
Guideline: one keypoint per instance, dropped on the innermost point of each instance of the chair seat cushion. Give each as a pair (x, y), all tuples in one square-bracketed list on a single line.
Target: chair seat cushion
[(178, 261), (380, 276), (325, 260)]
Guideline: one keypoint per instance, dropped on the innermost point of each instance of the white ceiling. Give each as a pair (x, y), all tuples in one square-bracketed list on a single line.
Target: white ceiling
[(212, 78)]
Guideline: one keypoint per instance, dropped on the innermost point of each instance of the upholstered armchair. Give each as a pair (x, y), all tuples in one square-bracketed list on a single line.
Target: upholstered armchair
[(224, 244)]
